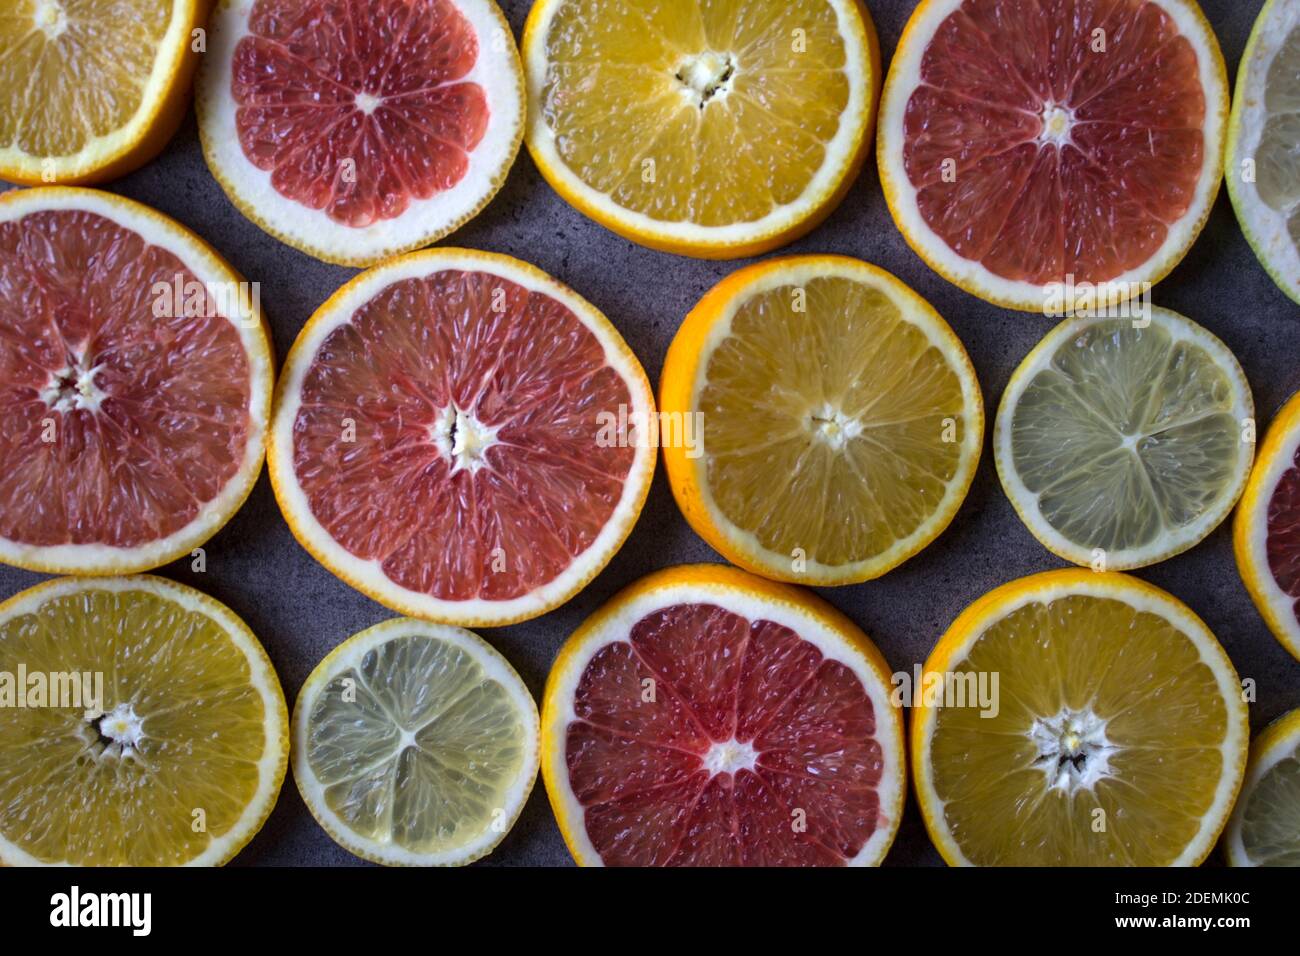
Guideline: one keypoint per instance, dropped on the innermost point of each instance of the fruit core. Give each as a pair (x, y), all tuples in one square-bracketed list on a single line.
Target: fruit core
[(1057, 123), (117, 733), (706, 77), (834, 427), (462, 439), (73, 387), (1073, 749), (730, 756), (50, 18)]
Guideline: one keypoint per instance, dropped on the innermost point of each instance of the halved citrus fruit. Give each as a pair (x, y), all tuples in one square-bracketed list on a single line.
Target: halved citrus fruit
[(1265, 827), (1266, 531), (1121, 444), (821, 423), (152, 729), (462, 438), (135, 386), (1028, 146), (1264, 143), (1117, 733), (710, 128), (706, 717), (92, 89), (415, 744), (359, 129)]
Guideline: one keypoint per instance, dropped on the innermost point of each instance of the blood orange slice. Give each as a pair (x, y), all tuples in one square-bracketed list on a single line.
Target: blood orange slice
[(358, 129), (1266, 535), (135, 385), (1030, 145), (462, 438), (707, 717)]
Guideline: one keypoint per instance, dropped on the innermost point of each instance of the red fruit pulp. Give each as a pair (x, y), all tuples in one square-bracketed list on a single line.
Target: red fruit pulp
[(357, 107), (1284, 533), (754, 749), (1071, 131)]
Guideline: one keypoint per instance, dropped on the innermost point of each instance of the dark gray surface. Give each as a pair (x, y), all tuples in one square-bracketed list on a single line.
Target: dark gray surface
[(301, 611)]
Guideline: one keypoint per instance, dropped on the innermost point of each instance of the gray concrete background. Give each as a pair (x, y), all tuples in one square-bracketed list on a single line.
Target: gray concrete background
[(300, 611)]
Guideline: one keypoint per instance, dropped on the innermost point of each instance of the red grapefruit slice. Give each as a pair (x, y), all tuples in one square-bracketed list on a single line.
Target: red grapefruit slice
[(359, 129), (707, 717), (462, 438), (1027, 145), (135, 385)]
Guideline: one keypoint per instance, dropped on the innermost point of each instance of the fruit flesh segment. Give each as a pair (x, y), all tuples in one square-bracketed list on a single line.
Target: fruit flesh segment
[(1038, 153), (1270, 829), (825, 415), (648, 102), (1126, 436), (119, 423), (1277, 158), (359, 107), (72, 70), (473, 465), (1011, 797), (69, 791), (416, 747), (710, 739), (1283, 541)]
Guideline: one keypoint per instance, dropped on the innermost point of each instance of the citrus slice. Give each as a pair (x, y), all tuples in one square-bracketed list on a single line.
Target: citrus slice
[(415, 744), (1116, 735), (135, 384), (709, 128), (1266, 532), (1264, 143), (462, 438), (91, 89), (706, 717), (159, 736), (359, 129), (1031, 146), (1122, 444), (1265, 827), (829, 420)]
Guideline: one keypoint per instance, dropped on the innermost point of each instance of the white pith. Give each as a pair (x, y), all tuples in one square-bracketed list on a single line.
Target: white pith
[(830, 425), (348, 656), (1180, 329), (1264, 226), (839, 151), (261, 675), (1073, 749), (497, 71), (369, 575), (97, 151), (1209, 652), (563, 686), (904, 77), (1275, 743), (167, 235)]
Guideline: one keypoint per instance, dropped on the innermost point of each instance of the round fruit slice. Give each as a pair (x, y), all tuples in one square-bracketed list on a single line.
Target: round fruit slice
[(706, 127), (1120, 443), (91, 89), (1034, 147), (1117, 733), (1264, 143), (135, 385), (415, 744), (142, 725), (1266, 532), (1265, 827), (462, 438), (359, 129), (706, 717), (830, 420)]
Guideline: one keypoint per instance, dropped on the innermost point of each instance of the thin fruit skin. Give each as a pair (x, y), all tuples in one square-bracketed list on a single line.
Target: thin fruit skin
[(972, 622), (166, 119), (725, 579), (682, 369), (706, 249), (1254, 510)]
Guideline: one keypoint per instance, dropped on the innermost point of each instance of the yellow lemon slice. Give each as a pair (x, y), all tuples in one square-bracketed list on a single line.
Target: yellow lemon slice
[(1265, 827)]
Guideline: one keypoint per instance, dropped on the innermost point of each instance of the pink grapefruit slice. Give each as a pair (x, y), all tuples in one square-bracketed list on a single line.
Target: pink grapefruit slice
[(135, 385), (462, 438), (358, 129), (1032, 151), (708, 717)]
